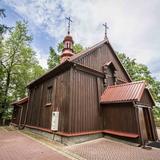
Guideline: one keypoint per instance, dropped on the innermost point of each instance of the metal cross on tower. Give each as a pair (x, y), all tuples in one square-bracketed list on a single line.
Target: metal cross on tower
[(106, 27), (69, 23)]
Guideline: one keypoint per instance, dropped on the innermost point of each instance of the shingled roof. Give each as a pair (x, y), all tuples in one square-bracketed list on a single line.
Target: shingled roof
[(126, 92)]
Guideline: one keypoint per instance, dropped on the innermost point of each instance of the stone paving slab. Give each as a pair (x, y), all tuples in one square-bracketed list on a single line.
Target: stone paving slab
[(104, 149), (15, 146)]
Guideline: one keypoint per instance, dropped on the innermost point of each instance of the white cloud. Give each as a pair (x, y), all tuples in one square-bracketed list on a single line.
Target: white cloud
[(134, 25), (42, 58)]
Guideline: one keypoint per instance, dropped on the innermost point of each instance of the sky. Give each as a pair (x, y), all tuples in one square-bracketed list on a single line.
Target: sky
[(134, 26)]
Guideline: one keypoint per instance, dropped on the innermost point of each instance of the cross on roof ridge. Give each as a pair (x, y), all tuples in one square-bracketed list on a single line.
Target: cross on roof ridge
[(106, 27), (69, 24)]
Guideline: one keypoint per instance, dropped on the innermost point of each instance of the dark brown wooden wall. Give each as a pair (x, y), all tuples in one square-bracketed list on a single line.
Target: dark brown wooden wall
[(120, 117), (23, 113), (146, 99), (16, 115), (97, 58), (85, 112), (75, 95), (39, 114)]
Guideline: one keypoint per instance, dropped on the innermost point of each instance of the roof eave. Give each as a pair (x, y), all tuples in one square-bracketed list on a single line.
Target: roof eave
[(19, 102), (58, 69), (82, 54), (120, 62), (112, 102)]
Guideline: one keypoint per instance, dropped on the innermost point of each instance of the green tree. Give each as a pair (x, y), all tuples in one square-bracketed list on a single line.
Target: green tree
[(141, 72), (54, 59), (77, 48), (3, 28), (19, 65)]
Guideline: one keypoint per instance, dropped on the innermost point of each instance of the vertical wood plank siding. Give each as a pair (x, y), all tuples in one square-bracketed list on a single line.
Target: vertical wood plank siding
[(146, 99), (39, 114), (24, 113), (84, 112), (97, 58), (16, 115), (120, 117)]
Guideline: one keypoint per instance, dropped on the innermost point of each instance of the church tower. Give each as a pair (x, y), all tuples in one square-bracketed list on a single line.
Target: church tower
[(67, 51), (68, 42)]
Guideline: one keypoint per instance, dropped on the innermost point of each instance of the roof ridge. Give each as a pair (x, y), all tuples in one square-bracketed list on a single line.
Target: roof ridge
[(125, 84), (87, 50), (82, 54)]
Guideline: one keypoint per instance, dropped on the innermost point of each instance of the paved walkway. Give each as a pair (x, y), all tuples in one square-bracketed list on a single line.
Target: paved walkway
[(16, 146), (104, 149)]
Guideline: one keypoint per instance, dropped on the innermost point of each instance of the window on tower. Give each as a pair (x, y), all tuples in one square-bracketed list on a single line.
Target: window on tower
[(67, 44)]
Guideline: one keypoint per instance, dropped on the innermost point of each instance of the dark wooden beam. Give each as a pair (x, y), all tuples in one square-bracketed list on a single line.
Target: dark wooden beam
[(88, 70)]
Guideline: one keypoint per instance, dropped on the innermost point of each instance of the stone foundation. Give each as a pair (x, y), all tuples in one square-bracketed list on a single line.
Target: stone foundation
[(63, 139), (76, 139), (39, 132)]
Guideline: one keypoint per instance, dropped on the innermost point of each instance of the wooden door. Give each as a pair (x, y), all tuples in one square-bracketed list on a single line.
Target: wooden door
[(142, 125), (148, 123), (153, 126)]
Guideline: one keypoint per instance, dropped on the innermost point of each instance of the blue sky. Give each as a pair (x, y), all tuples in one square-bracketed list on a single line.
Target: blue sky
[(133, 25)]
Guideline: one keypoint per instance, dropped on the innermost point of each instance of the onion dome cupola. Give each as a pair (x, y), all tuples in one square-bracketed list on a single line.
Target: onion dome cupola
[(67, 51), (68, 42)]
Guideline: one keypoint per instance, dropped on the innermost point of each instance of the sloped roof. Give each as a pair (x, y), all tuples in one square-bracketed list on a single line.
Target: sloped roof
[(54, 71), (110, 63), (64, 66), (126, 92), (21, 101), (83, 53), (90, 49)]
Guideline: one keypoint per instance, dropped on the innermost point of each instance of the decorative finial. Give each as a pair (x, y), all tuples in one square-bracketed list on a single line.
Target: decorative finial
[(69, 23), (106, 27)]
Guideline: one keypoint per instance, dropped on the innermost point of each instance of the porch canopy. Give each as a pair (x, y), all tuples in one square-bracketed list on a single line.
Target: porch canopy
[(20, 102), (127, 92), (120, 97)]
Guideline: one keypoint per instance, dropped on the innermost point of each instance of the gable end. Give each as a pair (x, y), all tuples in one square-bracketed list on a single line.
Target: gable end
[(96, 56)]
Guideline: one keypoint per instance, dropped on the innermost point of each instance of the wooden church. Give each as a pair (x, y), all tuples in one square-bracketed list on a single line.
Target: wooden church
[(87, 96)]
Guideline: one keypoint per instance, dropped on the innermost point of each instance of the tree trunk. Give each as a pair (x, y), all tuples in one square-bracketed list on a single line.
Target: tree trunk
[(7, 87), (4, 103)]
